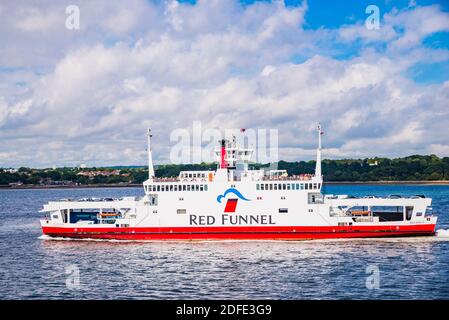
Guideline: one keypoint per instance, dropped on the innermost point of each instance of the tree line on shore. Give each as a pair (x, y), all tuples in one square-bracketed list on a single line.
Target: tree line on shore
[(412, 168)]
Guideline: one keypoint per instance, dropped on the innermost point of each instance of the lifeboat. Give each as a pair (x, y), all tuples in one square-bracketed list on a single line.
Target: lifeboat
[(360, 213), (108, 214)]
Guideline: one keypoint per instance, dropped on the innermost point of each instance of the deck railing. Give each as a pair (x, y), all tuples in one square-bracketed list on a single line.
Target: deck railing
[(301, 177)]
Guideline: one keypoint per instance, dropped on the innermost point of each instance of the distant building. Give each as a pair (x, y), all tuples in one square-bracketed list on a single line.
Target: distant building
[(10, 170), (104, 173), (58, 183)]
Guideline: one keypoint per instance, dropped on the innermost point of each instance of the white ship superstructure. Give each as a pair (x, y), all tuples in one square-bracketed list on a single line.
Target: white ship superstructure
[(236, 202)]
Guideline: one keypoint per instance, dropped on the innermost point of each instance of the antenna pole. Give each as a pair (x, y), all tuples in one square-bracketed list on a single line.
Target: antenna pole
[(318, 152), (150, 157)]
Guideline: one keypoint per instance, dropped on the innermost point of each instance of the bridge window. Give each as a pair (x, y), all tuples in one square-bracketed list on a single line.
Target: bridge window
[(257, 186), (388, 213), (408, 212), (275, 186), (64, 215), (288, 186), (85, 215), (315, 197), (153, 200)]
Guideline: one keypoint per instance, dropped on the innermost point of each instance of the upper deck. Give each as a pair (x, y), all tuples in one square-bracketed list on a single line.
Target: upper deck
[(233, 167), (208, 176)]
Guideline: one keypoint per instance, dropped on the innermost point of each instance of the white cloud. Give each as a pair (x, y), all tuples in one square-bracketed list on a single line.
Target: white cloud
[(441, 150), (33, 19), (3, 110), (224, 64), (401, 29)]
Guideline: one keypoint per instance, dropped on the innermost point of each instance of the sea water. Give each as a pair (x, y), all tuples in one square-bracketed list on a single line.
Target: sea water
[(34, 267)]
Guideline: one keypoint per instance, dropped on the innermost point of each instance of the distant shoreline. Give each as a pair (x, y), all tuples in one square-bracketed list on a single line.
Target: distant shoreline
[(419, 182), (84, 186), (133, 185)]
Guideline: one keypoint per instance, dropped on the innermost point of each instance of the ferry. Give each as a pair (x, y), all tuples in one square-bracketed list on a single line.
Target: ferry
[(235, 202)]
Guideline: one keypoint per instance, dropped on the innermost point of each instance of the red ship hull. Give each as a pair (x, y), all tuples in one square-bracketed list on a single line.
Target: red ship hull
[(241, 233)]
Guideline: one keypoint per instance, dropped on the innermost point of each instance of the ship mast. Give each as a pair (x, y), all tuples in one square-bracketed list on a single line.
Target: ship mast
[(150, 157), (318, 152)]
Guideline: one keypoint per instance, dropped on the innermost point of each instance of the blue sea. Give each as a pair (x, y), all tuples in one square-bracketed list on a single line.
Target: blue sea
[(35, 268)]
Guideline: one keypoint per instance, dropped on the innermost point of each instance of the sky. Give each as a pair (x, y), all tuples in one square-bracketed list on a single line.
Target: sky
[(87, 95)]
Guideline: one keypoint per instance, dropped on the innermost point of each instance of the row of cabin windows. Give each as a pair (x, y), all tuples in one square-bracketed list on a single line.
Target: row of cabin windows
[(176, 187), (193, 175), (288, 186)]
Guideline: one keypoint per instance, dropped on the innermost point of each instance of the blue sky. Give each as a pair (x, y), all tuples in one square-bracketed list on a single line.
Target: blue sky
[(86, 95)]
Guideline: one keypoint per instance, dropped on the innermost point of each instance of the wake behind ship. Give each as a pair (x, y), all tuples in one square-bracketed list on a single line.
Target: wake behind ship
[(234, 202)]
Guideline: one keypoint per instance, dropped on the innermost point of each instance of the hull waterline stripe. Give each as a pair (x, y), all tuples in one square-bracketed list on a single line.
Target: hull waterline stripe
[(254, 232), (239, 232)]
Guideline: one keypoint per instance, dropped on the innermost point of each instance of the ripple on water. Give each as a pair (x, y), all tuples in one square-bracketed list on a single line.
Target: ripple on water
[(33, 266)]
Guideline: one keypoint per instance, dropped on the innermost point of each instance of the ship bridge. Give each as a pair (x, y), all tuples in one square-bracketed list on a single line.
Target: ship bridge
[(232, 166)]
